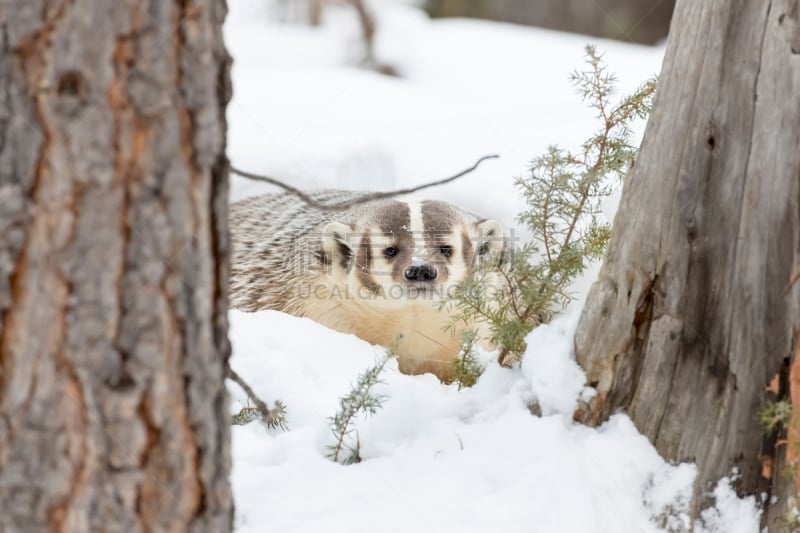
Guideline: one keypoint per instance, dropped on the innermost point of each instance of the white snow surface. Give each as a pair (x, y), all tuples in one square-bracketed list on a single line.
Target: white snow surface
[(435, 459)]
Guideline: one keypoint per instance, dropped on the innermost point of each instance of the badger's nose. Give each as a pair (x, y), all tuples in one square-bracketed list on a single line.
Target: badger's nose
[(421, 273)]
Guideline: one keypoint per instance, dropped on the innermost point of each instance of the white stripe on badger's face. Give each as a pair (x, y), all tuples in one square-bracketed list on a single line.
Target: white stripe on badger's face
[(420, 253)]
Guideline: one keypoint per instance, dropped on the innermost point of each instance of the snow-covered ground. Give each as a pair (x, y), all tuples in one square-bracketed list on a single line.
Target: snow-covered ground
[(435, 459)]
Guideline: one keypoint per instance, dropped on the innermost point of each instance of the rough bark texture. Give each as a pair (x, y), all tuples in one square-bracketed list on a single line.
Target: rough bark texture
[(113, 269), (690, 318), (642, 21)]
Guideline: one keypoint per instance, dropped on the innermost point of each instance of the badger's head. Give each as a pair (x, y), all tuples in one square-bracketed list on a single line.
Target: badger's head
[(401, 250)]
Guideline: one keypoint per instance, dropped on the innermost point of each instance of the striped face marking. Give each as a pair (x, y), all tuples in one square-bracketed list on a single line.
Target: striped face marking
[(405, 247), (419, 243)]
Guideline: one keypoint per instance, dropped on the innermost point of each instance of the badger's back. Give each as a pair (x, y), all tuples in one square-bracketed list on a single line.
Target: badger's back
[(276, 242)]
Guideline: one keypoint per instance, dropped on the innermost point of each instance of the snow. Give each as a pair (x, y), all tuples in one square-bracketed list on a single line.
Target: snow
[(731, 513), (557, 382), (435, 459)]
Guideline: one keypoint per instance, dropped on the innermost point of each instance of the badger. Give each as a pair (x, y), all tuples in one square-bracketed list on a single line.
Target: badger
[(378, 270)]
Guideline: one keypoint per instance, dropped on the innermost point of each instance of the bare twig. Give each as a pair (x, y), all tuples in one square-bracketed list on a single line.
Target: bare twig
[(371, 197), (792, 281), (275, 417), (367, 22)]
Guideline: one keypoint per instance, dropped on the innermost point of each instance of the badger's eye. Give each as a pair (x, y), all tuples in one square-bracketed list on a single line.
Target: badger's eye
[(390, 252), (446, 251)]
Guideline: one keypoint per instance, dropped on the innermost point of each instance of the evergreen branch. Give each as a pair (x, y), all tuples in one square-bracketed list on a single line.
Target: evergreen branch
[(563, 194), (775, 414), (273, 418), (466, 367), (546, 215), (360, 399), (511, 290)]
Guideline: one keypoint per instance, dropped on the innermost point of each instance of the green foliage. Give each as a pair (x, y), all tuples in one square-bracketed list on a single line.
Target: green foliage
[(791, 520), (360, 399), (274, 418), (563, 192), (467, 368), (245, 416), (775, 415)]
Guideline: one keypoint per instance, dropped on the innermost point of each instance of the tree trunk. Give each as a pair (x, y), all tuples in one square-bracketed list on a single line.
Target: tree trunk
[(691, 317), (113, 266)]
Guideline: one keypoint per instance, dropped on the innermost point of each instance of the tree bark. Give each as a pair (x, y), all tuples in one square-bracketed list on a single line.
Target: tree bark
[(691, 317), (113, 266)]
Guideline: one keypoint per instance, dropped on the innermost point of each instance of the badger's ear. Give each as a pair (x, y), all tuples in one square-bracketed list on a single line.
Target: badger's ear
[(336, 245), (490, 241)]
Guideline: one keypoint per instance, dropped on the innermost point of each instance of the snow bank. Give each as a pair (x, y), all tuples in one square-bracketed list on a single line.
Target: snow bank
[(435, 458), (438, 459)]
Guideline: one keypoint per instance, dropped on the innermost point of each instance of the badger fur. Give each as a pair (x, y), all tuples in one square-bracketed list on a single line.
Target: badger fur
[(376, 270)]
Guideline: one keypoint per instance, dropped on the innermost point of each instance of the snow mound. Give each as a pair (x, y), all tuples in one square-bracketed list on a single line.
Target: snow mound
[(438, 459), (434, 458)]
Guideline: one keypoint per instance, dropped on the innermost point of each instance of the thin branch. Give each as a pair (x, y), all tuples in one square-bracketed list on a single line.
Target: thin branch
[(341, 435), (367, 22), (792, 281), (546, 214), (601, 155), (511, 291), (274, 417), (371, 197)]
